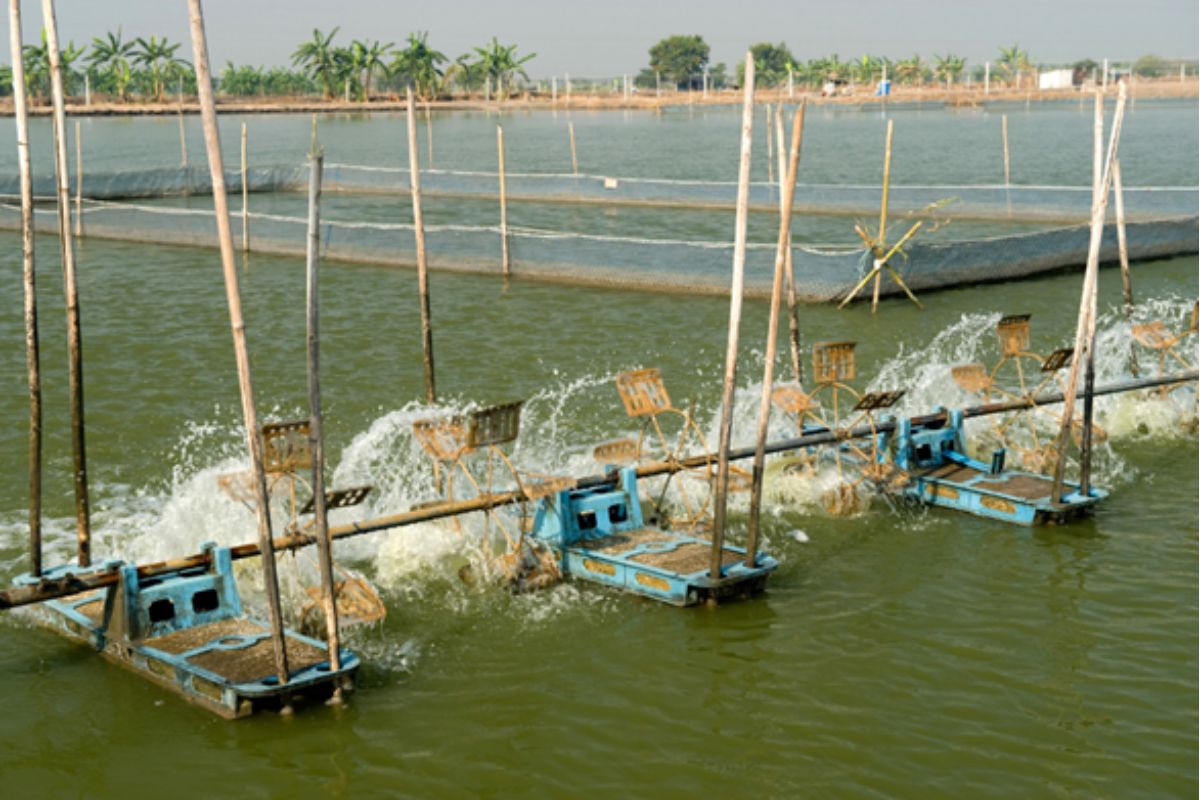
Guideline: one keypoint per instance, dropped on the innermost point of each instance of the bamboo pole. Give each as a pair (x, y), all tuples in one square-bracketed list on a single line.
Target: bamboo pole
[(245, 198), (505, 265), (183, 154), (764, 406), (1085, 332), (574, 157), (83, 526), (429, 134), (78, 180), (1123, 254), (29, 280), (316, 435), (793, 305), (1004, 139), (414, 182), (16, 596), (735, 319), (216, 166), (770, 149), (883, 207)]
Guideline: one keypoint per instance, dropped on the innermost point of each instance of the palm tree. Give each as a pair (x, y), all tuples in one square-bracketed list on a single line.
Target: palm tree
[(318, 60), (911, 70), (419, 64), (348, 63), (949, 67), (37, 66), (865, 68), (463, 73), (373, 56), (112, 56), (1013, 61), (158, 57), (500, 63)]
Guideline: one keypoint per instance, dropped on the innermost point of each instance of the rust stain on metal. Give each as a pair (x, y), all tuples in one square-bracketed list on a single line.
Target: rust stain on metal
[(652, 582), (599, 567), (997, 504)]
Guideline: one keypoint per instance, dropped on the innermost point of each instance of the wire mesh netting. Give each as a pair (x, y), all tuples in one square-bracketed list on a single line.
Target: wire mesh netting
[(1069, 203), (822, 273), (1015, 202)]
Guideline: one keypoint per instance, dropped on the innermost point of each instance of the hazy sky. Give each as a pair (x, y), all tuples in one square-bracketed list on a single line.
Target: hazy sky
[(610, 37)]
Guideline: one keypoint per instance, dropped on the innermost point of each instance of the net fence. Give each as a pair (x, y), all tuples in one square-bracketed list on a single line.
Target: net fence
[(822, 272), (1018, 203)]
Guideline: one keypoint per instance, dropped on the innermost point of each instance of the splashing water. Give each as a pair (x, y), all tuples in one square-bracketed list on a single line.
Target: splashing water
[(423, 561)]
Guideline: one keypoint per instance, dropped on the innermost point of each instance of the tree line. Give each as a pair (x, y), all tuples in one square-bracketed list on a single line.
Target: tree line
[(682, 62), (150, 69)]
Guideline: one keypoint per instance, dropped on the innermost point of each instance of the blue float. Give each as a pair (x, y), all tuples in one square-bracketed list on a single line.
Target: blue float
[(599, 534), (186, 631)]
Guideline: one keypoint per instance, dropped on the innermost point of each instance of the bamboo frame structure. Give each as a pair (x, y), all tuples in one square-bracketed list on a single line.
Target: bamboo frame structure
[(768, 383), (212, 143), (735, 319), (1085, 332), (414, 183), (29, 283), (17, 596), (83, 525), (316, 435)]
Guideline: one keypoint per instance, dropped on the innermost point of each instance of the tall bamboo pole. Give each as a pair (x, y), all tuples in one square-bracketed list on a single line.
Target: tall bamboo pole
[(316, 434), (1004, 140), (505, 265), (883, 208), (96, 579), (1085, 332), (83, 526), (233, 298), (764, 406), (1123, 253), (78, 180), (183, 154), (429, 134), (770, 149), (793, 306), (245, 198), (414, 183), (29, 279), (735, 320), (574, 157)]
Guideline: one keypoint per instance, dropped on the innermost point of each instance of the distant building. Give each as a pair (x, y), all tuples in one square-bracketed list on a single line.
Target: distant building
[(1056, 79)]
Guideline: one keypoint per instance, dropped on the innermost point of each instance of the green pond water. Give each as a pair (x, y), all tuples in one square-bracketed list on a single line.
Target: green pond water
[(899, 652)]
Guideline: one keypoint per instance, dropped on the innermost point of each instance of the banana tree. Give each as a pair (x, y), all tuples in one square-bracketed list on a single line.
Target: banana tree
[(1013, 61), (161, 64), (949, 67), (110, 58), (911, 70), (501, 64), (368, 60), (317, 59), (418, 64), (37, 66)]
